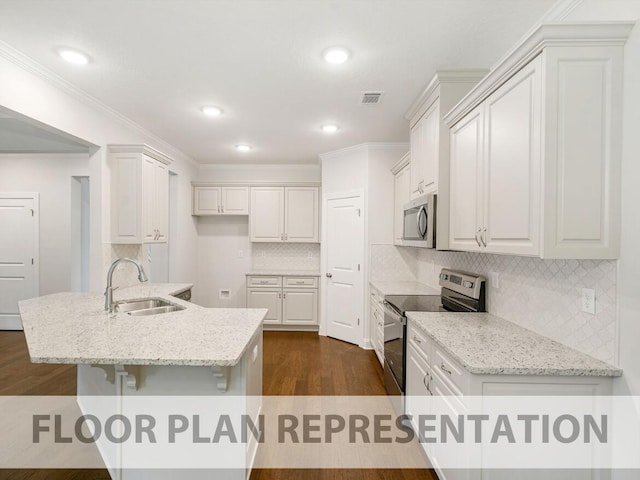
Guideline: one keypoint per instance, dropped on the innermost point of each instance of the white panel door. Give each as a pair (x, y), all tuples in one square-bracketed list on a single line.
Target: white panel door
[(344, 299), (301, 215), (269, 298), (465, 209), (402, 195), (300, 306), (235, 200), (161, 204), (206, 200), (148, 198), (18, 256), (267, 214), (430, 132), (512, 165)]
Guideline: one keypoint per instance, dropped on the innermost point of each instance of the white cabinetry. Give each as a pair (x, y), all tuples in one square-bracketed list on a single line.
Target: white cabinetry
[(543, 146), (402, 195), (139, 194), (292, 301), (430, 140), (495, 171), (219, 200), (376, 323), (436, 383), (285, 214)]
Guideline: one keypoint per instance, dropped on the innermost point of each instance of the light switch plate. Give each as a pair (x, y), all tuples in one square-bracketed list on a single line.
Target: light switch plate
[(495, 280)]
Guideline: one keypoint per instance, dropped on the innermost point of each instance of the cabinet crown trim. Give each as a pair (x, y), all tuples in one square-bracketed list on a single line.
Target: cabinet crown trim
[(400, 164), (546, 35), (466, 75), (141, 148)]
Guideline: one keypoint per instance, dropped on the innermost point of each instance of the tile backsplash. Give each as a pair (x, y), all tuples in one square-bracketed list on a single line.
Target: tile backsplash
[(285, 256), (126, 274), (541, 295)]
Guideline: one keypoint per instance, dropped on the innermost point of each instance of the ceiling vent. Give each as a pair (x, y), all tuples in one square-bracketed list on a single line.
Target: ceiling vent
[(371, 98)]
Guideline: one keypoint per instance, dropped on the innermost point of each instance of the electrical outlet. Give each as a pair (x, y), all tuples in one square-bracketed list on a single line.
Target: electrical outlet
[(240, 254), (589, 301), (225, 293), (495, 280)]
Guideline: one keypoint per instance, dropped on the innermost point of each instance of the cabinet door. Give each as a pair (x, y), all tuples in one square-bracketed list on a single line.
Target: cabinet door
[(148, 199), (300, 307), (235, 200), (465, 182), (126, 199), (301, 215), (417, 392), (512, 165), (267, 214), (161, 207), (424, 152), (269, 298), (206, 200), (402, 195)]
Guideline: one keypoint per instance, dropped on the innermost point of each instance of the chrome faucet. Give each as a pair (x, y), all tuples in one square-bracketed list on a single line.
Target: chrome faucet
[(108, 293)]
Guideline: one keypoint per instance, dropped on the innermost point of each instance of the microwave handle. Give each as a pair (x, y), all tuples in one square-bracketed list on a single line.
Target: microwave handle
[(418, 217)]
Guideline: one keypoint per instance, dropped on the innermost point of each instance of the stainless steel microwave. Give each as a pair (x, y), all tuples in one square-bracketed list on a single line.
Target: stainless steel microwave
[(419, 226)]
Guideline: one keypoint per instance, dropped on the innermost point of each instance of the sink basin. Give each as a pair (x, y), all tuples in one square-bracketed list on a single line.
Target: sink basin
[(147, 306), (155, 310)]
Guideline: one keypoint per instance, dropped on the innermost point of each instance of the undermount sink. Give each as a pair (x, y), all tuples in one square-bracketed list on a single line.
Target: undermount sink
[(147, 306)]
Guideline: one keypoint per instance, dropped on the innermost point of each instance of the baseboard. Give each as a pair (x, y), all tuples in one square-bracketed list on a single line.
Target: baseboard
[(10, 323)]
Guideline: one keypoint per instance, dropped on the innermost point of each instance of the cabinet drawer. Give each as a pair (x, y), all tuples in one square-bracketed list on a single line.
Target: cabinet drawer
[(264, 281), (450, 370), (302, 282), (419, 341)]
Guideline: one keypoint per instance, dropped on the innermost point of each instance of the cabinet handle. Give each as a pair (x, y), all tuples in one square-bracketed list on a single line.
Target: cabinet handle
[(286, 237), (282, 236), (329, 275), (482, 237), (222, 208), (380, 324), (279, 295), (478, 241), (444, 369), (284, 295), (416, 339), (427, 383)]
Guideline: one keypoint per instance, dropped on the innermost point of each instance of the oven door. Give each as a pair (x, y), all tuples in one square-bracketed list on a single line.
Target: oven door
[(395, 325)]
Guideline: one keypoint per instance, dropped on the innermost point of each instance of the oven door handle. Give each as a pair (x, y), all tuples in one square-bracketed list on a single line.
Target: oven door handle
[(392, 312)]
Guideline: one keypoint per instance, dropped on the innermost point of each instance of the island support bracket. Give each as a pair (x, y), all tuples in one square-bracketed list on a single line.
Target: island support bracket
[(222, 375), (130, 375)]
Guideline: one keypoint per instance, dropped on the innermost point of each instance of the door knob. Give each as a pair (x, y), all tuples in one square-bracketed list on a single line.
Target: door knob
[(329, 275)]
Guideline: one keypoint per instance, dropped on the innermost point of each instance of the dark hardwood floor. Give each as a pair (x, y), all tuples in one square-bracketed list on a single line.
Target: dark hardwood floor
[(295, 363)]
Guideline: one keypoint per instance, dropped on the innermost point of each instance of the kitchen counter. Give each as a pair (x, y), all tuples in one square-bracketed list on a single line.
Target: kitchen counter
[(74, 328), (286, 273), (404, 288), (486, 344)]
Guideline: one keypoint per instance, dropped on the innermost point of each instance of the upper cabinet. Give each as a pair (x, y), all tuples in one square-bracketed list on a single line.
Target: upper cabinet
[(429, 171), (536, 148), (401, 194), (139, 194), (285, 214), (219, 200)]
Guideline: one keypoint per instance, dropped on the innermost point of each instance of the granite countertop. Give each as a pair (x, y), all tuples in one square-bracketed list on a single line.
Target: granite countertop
[(74, 328), (404, 288), (286, 273), (486, 344)]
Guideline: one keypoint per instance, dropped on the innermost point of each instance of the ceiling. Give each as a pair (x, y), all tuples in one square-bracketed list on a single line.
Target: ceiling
[(158, 62)]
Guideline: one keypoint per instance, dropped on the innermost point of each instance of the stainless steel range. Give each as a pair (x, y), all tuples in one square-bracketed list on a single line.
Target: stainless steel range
[(460, 292)]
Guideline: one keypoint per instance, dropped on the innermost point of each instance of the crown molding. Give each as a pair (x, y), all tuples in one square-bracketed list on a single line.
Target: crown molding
[(253, 166), (365, 147), (400, 164), (467, 75), (141, 148), (26, 63), (255, 183), (544, 36)]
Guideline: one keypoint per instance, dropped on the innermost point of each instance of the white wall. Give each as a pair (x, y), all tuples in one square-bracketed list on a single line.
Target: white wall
[(30, 90), (50, 176), (259, 173)]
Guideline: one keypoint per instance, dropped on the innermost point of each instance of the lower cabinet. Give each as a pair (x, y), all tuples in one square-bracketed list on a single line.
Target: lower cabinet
[(436, 384), (290, 301)]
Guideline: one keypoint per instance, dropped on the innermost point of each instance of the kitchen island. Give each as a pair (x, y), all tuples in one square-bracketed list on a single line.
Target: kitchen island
[(212, 353)]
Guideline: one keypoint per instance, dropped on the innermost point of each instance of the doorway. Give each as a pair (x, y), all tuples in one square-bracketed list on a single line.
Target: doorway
[(80, 228), (19, 262), (344, 241)]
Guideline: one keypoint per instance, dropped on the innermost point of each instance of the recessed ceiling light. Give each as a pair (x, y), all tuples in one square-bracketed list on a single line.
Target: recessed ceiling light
[(212, 111), (243, 148), (336, 55), (73, 56), (330, 128)]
